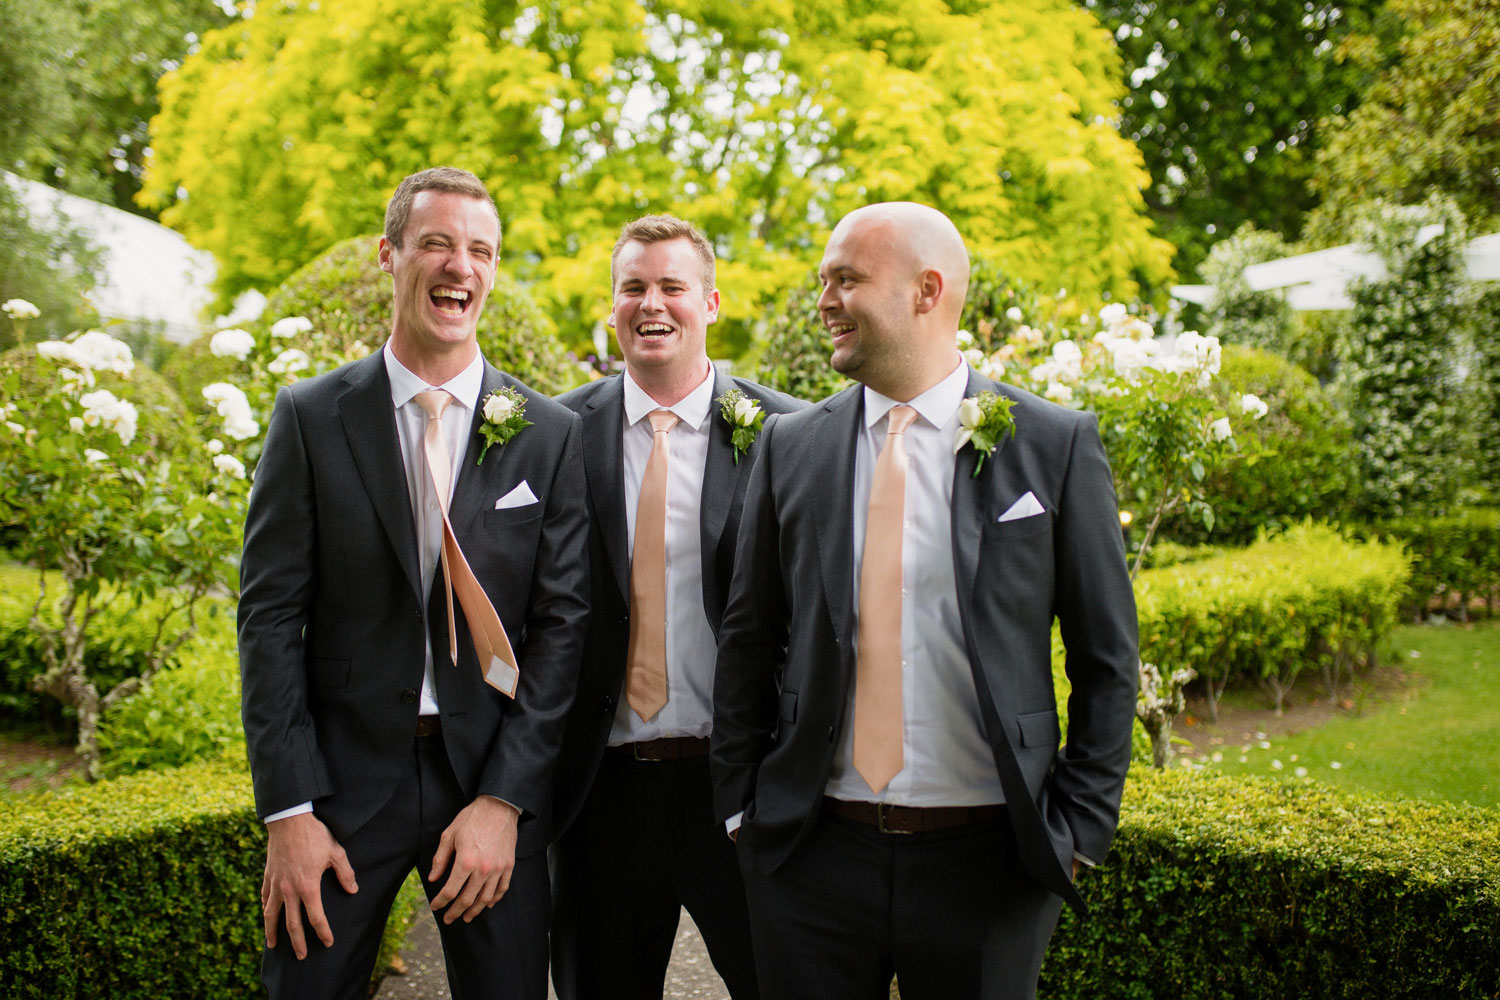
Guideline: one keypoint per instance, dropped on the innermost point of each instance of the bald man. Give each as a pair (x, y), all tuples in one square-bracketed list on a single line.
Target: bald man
[(886, 746)]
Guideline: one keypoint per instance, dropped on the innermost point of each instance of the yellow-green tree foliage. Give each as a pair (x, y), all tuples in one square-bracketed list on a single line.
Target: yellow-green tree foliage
[(762, 122)]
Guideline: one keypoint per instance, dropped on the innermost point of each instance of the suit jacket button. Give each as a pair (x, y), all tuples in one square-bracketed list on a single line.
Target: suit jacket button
[(409, 695), (609, 704), (418, 613)]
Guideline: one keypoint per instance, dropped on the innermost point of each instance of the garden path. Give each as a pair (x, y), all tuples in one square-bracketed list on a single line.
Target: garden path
[(690, 974)]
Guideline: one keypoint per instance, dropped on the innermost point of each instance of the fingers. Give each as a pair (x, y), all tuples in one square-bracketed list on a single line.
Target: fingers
[(271, 909), (440, 860), (294, 933), (344, 871)]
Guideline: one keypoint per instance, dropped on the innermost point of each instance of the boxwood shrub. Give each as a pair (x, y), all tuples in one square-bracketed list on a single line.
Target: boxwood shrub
[(1307, 599), (1454, 557), (1266, 889), (144, 887)]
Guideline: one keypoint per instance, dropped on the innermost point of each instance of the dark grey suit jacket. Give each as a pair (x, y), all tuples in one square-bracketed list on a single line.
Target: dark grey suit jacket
[(331, 619), (601, 404), (787, 645)]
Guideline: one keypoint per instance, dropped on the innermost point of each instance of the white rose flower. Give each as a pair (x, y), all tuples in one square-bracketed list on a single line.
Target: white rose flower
[(1255, 406), (289, 362), (93, 456), (291, 326), (969, 412), (1029, 335), (1014, 314), (101, 352), (1221, 430), (1129, 358), (1113, 314), (992, 367), (102, 408), (1068, 358), (75, 424), (53, 350), (973, 356), (20, 309), (233, 343), (1135, 329), (1059, 393), (241, 427), (230, 466), (745, 411), (497, 408), (15, 428), (965, 339), (214, 446)]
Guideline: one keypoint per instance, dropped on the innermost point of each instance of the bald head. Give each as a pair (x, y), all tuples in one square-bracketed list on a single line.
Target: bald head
[(919, 238), (894, 279)]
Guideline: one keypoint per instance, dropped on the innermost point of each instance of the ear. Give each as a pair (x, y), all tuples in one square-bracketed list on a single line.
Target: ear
[(713, 306), (929, 290), (384, 254)]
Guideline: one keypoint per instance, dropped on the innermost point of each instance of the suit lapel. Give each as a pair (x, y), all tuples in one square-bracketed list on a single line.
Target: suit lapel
[(969, 507), (721, 476), (468, 492), (369, 422), (604, 465), (836, 525)]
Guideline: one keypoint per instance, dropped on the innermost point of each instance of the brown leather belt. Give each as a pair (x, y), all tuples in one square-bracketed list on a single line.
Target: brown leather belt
[(429, 725), (911, 819), (666, 748)]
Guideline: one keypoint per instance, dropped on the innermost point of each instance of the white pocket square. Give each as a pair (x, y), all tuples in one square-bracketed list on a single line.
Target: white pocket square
[(1027, 506), (518, 497)]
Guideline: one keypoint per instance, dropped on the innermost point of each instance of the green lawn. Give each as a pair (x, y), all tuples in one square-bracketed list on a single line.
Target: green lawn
[(1438, 739)]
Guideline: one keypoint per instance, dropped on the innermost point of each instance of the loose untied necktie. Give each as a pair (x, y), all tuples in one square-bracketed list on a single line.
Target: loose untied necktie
[(490, 642)]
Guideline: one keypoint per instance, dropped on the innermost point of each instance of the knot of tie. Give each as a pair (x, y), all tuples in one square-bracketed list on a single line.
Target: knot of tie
[(434, 402), (662, 421), (899, 419)]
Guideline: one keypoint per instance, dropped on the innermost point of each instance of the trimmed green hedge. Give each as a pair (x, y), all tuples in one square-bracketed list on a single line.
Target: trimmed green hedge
[(145, 887), (1455, 555), (1307, 599), (1265, 889)]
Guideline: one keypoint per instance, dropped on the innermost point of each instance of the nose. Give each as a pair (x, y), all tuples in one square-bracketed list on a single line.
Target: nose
[(826, 297), (651, 300), (461, 262)]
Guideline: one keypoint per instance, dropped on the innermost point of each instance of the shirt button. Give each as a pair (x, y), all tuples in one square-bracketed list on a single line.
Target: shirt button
[(409, 695), (433, 506)]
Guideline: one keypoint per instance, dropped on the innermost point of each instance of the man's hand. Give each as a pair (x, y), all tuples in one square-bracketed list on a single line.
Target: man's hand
[(481, 843), (300, 850), (1077, 867)]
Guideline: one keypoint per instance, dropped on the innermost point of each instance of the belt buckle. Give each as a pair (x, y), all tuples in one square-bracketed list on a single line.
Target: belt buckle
[(635, 752), (880, 811)]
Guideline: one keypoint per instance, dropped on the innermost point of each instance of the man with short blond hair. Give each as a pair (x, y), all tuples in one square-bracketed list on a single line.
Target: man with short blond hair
[(665, 484)]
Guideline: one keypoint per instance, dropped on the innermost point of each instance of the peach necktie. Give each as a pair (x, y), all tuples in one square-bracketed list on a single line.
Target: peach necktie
[(490, 642), (877, 676), (646, 656)]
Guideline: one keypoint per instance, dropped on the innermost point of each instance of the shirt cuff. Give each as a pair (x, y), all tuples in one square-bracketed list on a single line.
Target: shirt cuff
[(1085, 861), (732, 824), (305, 807)]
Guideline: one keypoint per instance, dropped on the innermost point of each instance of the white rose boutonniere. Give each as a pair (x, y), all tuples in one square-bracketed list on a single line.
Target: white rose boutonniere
[(745, 416), (982, 421), (504, 417)]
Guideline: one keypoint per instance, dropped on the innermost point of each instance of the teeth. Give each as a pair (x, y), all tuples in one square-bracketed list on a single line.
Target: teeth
[(838, 328), (653, 328), (450, 293)]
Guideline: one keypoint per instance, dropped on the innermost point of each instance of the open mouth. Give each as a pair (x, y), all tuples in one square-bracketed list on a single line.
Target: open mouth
[(450, 301), (840, 329), (653, 331)]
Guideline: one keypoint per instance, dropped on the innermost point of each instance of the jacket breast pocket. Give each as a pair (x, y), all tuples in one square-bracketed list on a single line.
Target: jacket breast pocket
[(1021, 527), (513, 515)]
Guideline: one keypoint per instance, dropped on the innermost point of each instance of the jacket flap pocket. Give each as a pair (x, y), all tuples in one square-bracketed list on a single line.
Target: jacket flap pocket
[(1039, 729), (788, 711)]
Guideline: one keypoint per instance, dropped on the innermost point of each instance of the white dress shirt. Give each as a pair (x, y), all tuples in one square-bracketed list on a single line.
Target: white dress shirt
[(411, 426), (947, 761), (691, 649)]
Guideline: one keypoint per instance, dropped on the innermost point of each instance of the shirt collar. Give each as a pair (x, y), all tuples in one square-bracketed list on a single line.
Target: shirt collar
[(691, 409), (464, 387), (936, 406)]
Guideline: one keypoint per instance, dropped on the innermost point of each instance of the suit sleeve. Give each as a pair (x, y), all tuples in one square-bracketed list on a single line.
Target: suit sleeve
[(752, 644), (1097, 617), (277, 580), (519, 769)]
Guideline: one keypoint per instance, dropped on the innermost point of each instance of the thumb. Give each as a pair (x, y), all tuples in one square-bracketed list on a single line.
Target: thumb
[(344, 871)]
